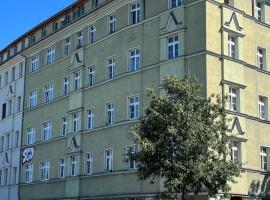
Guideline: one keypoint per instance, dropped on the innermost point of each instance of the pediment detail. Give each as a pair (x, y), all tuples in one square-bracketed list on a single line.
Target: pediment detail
[(76, 59), (73, 144), (235, 22), (172, 23), (236, 126)]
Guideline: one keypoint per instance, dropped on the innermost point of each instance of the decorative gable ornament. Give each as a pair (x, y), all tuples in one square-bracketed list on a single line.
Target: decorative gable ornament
[(73, 144), (172, 21), (27, 155), (236, 124), (235, 20), (76, 59)]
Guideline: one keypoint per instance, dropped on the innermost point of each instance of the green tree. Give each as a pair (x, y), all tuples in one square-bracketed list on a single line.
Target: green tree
[(183, 140)]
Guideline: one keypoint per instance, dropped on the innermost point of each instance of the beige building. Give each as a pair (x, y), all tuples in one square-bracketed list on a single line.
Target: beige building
[(87, 70)]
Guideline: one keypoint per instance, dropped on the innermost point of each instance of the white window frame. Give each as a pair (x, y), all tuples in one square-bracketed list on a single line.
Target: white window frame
[(32, 98), (236, 152), (64, 125), (112, 23), (111, 67), (264, 158), (31, 133), (173, 46), (75, 122), (135, 13), (262, 107), (88, 163), (134, 60), (67, 45), (234, 99), (91, 76), (48, 92), (133, 107), (232, 46), (79, 39), (44, 170), (92, 34), (90, 118), (46, 131), (259, 10), (77, 80), (132, 164), (62, 168), (65, 85), (174, 3), (50, 55), (28, 173), (35, 62), (108, 160), (261, 58), (109, 113), (74, 166)]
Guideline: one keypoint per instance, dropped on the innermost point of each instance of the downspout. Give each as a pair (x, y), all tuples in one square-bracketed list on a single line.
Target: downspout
[(222, 56)]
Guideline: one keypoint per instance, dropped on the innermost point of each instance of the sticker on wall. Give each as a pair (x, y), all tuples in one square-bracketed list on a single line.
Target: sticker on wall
[(27, 155)]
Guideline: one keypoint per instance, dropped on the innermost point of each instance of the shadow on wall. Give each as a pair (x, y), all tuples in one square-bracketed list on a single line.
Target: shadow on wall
[(260, 188)]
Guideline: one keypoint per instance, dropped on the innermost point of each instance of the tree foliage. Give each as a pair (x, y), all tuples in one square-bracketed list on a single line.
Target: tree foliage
[(183, 139)]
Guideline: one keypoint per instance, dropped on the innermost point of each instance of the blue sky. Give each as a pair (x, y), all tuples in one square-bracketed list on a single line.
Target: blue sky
[(19, 16)]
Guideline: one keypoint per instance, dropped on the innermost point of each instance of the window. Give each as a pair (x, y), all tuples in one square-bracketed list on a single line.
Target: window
[(90, 118), (28, 173), (46, 131), (14, 178), (232, 46), (0, 81), (174, 3), (6, 176), (10, 105), (132, 164), (75, 124), (173, 47), (258, 10), (112, 23), (6, 77), (35, 62), (66, 85), (88, 163), (108, 160), (8, 141), (1, 177), (134, 60), (62, 168), (261, 58), (50, 55), (64, 122), (48, 92), (74, 166), (133, 107), (109, 113), (13, 73), (32, 99), (2, 143), (20, 69), (44, 32), (77, 80), (135, 13), (4, 110), (44, 170), (16, 139), (110, 68), (233, 99), (236, 152), (262, 107), (19, 103), (264, 155), (92, 34), (67, 45), (91, 76), (79, 39), (55, 26)]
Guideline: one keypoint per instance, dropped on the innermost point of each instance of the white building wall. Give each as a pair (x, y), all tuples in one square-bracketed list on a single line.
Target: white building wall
[(10, 126)]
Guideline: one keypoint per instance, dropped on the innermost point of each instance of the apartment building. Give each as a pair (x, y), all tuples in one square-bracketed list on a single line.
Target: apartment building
[(87, 70), (11, 107)]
